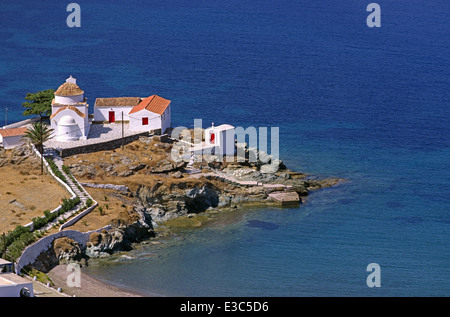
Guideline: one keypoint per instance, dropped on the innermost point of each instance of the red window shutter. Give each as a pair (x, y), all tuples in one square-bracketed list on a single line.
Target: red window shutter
[(144, 121)]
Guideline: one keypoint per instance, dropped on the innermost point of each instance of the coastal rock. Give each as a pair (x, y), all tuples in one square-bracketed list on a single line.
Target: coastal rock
[(62, 251), (200, 199), (23, 150), (224, 201), (264, 158), (104, 243), (139, 225), (67, 250), (269, 168)]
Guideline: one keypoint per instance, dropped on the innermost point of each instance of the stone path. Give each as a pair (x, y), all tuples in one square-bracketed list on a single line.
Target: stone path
[(82, 194), (53, 154), (42, 290)]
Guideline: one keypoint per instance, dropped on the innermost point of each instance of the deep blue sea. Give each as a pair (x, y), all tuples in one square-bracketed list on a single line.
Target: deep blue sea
[(371, 105)]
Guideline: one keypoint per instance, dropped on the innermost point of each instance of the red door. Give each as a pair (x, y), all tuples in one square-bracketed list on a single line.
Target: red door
[(112, 116)]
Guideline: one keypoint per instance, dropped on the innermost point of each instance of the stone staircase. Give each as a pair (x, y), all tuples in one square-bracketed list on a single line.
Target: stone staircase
[(75, 186)]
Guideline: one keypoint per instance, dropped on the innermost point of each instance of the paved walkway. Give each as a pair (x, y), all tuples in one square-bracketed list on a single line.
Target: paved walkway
[(53, 154), (42, 290), (98, 133), (78, 190)]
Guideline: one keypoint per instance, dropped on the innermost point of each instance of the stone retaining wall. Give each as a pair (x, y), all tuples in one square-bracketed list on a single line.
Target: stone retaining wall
[(74, 219), (30, 253)]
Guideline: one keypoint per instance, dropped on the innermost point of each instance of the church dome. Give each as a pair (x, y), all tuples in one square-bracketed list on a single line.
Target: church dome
[(69, 89), (67, 120)]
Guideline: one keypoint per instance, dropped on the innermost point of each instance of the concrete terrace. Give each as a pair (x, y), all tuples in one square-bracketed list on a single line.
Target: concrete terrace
[(98, 133)]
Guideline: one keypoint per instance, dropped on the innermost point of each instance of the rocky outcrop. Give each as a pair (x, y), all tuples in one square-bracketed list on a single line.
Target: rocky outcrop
[(66, 250), (170, 192), (165, 166), (104, 243), (164, 202), (16, 155), (133, 225), (62, 251)]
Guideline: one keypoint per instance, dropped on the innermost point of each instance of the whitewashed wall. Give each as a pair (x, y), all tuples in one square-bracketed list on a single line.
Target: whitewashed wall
[(102, 113), (11, 141), (69, 100), (166, 121), (13, 290), (82, 123), (154, 121)]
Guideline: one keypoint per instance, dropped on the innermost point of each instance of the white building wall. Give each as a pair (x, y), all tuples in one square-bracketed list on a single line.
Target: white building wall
[(154, 121), (102, 113), (224, 139), (13, 290), (82, 128), (166, 120), (10, 142), (69, 100)]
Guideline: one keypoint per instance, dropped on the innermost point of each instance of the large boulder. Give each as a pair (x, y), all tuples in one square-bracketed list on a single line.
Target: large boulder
[(67, 250), (103, 243)]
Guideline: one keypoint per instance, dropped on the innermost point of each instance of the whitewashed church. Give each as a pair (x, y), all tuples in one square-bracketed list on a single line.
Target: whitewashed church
[(70, 115), (70, 118)]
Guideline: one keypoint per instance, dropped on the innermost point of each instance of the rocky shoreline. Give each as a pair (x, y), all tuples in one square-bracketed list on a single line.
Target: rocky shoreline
[(171, 194)]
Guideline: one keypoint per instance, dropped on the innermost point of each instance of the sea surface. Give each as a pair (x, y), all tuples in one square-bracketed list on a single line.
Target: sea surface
[(371, 105)]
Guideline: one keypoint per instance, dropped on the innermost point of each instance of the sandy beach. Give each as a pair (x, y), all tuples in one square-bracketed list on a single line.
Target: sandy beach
[(89, 287)]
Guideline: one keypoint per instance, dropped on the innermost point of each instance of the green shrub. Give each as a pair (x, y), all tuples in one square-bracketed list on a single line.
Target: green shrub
[(66, 170), (16, 248), (89, 202), (55, 169), (17, 239)]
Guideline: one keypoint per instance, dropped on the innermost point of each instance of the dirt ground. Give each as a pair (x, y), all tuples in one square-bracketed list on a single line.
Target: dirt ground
[(110, 204), (25, 194)]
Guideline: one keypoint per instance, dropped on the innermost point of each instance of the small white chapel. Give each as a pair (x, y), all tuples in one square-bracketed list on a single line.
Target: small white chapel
[(69, 118)]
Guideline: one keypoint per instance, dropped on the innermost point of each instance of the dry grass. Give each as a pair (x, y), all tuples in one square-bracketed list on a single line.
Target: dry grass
[(25, 194), (137, 151), (112, 206)]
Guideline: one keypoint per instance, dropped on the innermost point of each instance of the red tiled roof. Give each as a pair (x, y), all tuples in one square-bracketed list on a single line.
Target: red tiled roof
[(78, 112), (13, 132), (154, 103)]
